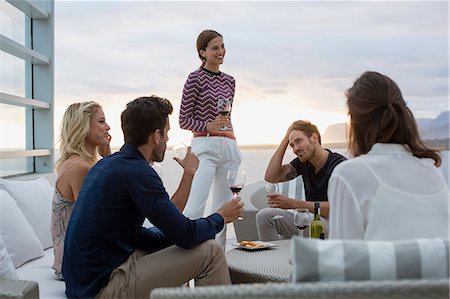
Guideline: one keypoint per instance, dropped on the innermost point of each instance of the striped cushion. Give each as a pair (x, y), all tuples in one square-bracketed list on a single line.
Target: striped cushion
[(344, 260), (293, 188)]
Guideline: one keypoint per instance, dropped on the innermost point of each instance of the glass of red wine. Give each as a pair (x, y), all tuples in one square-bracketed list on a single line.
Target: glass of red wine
[(224, 108), (302, 219), (236, 181)]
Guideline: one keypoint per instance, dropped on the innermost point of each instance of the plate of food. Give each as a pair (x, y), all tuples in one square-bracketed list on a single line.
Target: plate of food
[(254, 245)]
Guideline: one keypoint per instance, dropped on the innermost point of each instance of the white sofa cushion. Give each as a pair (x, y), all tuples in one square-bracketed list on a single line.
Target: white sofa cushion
[(17, 234), (34, 198), (345, 260), (7, 269)]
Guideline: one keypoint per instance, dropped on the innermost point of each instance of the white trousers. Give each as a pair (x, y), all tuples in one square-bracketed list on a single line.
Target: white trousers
[(216, 155)]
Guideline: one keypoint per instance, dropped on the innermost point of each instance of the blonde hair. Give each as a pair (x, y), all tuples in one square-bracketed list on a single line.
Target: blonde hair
[(74, 130)]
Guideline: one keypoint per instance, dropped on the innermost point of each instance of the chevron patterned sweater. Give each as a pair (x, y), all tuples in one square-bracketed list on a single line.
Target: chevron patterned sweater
[(200, 94)]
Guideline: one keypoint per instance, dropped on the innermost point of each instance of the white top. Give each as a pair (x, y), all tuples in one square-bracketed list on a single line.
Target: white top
[(388, 194)]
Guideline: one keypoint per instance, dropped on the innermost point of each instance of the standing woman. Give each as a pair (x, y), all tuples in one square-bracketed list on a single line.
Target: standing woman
[(84, 132), (213, 140), (393, 189)]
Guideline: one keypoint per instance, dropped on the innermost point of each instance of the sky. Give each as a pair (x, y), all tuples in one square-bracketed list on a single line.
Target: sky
[(291, 60)]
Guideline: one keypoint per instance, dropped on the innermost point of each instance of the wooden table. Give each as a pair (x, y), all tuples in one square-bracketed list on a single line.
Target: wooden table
[(267, 265)]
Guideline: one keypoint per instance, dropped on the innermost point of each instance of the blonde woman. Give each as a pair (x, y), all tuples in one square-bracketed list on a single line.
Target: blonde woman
[(84, 133)]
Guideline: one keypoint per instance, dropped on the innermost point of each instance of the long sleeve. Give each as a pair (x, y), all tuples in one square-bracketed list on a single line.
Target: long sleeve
[(199, 99), (346, 217), (152, 200), (189, 100)]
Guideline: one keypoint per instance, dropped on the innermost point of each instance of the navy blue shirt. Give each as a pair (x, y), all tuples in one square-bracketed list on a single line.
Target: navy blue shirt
[(316, 184), (105, 228)]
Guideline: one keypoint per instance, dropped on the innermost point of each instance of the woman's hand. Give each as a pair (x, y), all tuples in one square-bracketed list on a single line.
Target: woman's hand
[(189, 162), (105, 149), (219, 122)]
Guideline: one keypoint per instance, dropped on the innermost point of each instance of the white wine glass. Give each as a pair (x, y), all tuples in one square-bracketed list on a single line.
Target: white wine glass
[(302, 219), (158, 169), (273, 188), (224, 108), (236, 181), (179, 150)]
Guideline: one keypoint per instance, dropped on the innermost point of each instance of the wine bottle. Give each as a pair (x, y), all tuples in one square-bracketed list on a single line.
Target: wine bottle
[(317, 229)]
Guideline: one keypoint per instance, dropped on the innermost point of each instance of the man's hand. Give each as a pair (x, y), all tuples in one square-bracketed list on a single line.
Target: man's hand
[(189, 162), (231, 210), (275, 200)]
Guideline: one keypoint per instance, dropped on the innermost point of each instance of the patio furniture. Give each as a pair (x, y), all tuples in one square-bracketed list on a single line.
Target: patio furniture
[(254, 198), (398, 289), (265, 265)]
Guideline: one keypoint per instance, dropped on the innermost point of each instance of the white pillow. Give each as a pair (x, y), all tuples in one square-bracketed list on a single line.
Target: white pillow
[(34, 198), (7, 269), (344, 260), (17, 234)]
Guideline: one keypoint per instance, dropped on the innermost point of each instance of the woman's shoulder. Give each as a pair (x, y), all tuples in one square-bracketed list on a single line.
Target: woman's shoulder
[(351, 165), (74, 164), (226, 75), (198, 72)]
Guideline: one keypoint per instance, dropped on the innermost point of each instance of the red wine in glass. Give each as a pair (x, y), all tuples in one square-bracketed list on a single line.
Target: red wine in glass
[(236, 181), (224, 108), (236, 189)]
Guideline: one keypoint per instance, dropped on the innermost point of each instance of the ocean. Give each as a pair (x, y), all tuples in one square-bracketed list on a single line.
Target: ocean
[(254, 162)]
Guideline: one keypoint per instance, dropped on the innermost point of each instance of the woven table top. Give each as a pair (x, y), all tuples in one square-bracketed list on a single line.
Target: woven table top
[(266, 265)]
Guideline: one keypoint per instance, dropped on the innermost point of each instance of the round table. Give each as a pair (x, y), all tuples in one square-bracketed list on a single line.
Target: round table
[(266, 265)]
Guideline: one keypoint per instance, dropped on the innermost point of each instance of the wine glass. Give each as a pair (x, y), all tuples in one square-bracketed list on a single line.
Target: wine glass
[(302, 218), (273, 188), (236, 181), (179, 150), (224, 108)]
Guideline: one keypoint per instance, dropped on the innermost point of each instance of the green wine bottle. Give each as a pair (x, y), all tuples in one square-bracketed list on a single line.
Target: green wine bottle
[(317, 229)]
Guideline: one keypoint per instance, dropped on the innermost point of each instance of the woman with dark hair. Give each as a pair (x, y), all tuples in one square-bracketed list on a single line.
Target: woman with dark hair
[(393, 188), (213, 141)]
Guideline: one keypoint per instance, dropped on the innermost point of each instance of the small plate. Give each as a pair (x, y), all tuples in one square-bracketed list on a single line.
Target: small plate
[(263, 245)]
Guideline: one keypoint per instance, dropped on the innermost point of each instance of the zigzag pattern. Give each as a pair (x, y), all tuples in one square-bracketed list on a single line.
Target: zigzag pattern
[(199, 100)]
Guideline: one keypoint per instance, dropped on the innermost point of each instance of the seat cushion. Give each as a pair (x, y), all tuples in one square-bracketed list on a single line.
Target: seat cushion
[(345, 260), (34, 198), (17, 234)]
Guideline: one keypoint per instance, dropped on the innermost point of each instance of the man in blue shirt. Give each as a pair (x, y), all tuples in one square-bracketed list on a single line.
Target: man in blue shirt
[(107, 252)]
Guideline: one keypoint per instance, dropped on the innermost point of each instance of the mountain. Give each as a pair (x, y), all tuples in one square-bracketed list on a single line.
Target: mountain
[(429, 129), (437, 128), (335, 133)]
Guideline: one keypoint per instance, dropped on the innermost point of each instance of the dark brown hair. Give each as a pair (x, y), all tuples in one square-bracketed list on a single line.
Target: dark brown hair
[(306, 127), (378, 113), (202, 42), (142, 117)]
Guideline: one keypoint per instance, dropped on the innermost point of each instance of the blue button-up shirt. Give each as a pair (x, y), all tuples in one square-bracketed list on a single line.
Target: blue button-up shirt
[(105, 228)]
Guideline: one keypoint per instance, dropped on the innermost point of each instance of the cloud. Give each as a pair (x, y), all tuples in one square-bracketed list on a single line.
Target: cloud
[(294, 54)]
